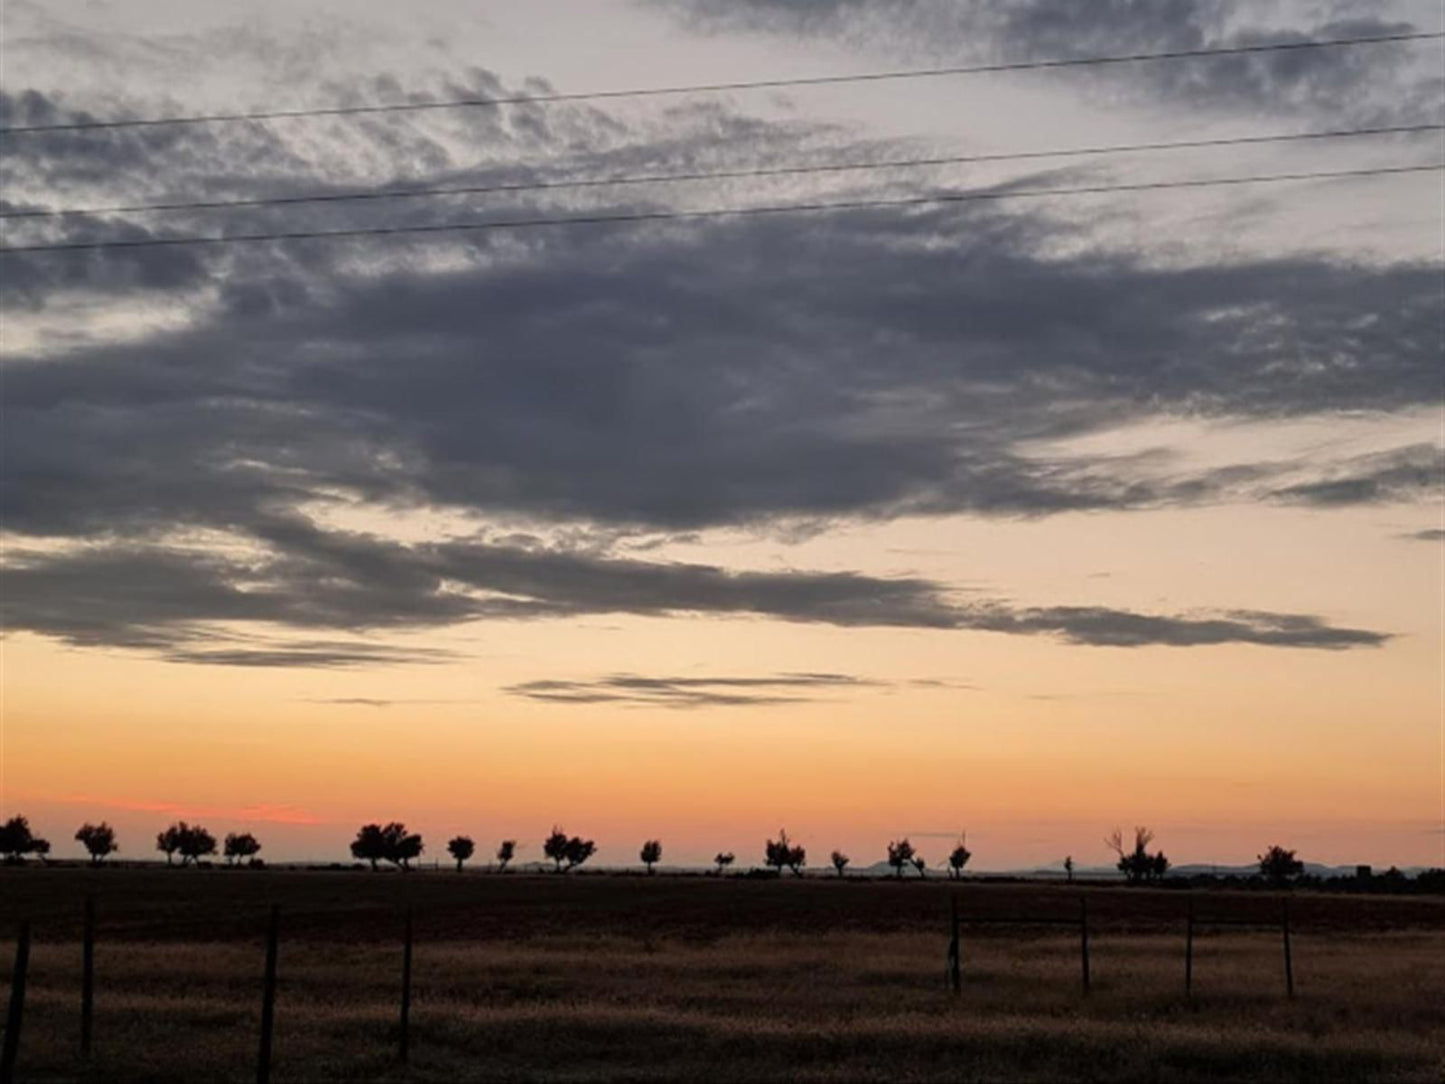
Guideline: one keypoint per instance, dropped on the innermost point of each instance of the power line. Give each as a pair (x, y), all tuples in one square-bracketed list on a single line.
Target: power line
[(733, 174), (721, 212), (710, 88)]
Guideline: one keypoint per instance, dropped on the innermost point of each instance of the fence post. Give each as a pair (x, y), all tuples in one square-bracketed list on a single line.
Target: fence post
[(1189, 950), (268, 998), (405, 1039), (16, 1013), (1288, 961), (955, 980), (1084, 937), (87, 977)]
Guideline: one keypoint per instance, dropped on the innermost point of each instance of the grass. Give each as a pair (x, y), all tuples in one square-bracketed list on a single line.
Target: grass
[(597, 978)]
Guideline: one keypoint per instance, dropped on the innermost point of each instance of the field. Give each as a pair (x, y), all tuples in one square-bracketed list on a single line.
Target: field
[(602, 977)]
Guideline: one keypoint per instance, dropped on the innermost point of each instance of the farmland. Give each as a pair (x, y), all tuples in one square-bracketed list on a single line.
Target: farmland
[(526, 977)]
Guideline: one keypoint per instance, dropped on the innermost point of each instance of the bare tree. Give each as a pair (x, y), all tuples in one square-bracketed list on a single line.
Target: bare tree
[(840, 862), (723, 859), (461, 848), (921, 865), (98, 840), (505, 853), (900, 854), (1137, 865), (651, 854)]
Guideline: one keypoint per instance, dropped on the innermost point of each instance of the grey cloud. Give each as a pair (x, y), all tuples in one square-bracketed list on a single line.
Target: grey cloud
[(1404, 474), (636, 384), (689, 692), (1430, 534), (167, 601), (1367, 84)]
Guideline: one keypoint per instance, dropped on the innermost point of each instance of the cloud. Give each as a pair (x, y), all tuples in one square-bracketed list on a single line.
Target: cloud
[(1364, 84), (618, 385), (168, 600), (685, 693), (1430, 534), (275, 814), (1412, 473)]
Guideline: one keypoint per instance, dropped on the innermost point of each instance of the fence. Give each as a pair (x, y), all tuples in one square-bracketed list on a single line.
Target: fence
[(954, 975)]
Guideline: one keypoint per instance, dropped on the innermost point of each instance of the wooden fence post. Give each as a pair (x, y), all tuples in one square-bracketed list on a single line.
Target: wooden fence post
[(268, 998), (16, 1014), (405, 1038), (1189, 950), (955, 980), (1288, 961), (87, 977), (1084, 937)]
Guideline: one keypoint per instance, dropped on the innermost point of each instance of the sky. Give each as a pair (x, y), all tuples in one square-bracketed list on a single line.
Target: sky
[(1025, 517)]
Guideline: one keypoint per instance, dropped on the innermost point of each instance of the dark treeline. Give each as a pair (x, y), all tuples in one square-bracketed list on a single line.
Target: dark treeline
[(186, 844)]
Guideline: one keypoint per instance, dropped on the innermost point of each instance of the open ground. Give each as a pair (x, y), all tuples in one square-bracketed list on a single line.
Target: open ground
[(527, 977)]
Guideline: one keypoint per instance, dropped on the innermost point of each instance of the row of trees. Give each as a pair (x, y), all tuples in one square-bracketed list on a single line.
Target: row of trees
[(392, 843)]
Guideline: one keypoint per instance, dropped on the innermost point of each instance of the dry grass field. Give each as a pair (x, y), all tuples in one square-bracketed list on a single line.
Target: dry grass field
[(606, 977)]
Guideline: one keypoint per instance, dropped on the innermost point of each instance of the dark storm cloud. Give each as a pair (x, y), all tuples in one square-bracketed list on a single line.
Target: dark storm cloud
[(770, 375), (690, 692), (1366, 84)]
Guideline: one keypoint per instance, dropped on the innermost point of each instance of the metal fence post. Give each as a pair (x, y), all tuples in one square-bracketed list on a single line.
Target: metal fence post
[(268, 998), (16, 1013), (405, 1038), (87, 977)]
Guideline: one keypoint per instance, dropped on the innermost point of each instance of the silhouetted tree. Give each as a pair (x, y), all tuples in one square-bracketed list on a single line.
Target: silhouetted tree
[(196, 842), (782, 852), (190, 841), (392, 843), (401, 846), (17, 840), (98, 840), (578, 850), (555, 847), (900, 853), (169, 841), (651, 854), (505, 853), (921, 865), (41, 849), (958, 858), (369, 844), (1279, 866), (1069, 866), (840, 862), (1138, 865), (723, 859), (461, 849), (239, 846)]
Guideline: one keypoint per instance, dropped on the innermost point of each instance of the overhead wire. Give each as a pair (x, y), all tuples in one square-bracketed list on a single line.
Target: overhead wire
[(937, 199), (723, 87), (717, 175)]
